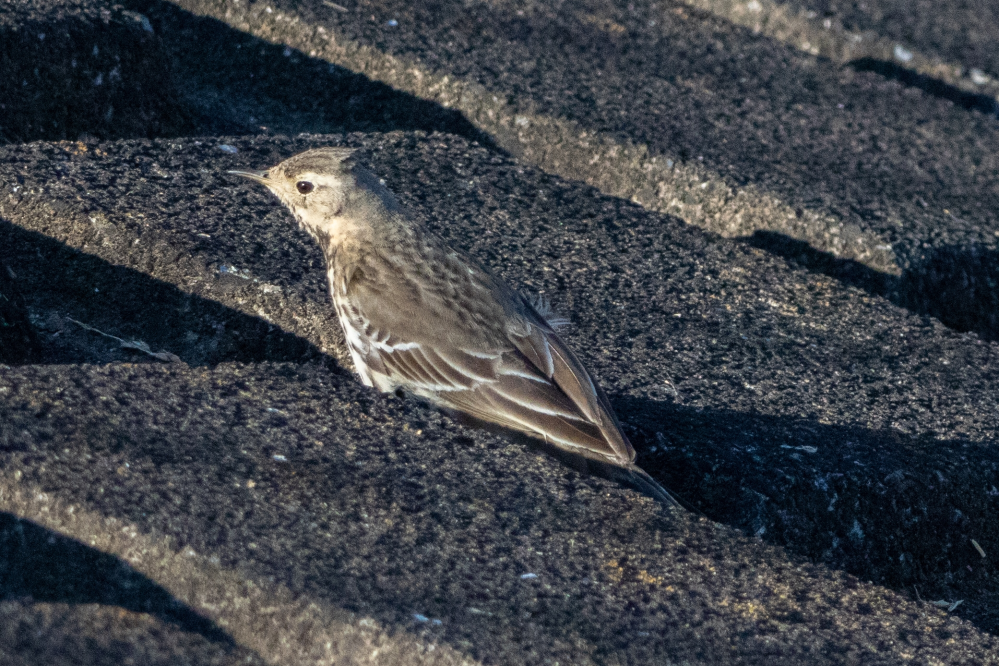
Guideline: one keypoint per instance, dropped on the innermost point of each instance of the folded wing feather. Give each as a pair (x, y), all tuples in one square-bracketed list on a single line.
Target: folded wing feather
[(529, 381)]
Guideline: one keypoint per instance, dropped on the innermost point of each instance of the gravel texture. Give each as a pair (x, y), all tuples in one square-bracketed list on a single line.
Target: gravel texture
[(188, 387), (824, 421), (78, 67)]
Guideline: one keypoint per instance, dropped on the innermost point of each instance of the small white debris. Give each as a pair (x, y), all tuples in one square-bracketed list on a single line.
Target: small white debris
[(521, 121), (423, 618), (981, 551), (949, 605), (806, 449), (280, 458), (232, 270), (528, 576), (754, 6), (137, 345), (393, 23), (225, 148), (902, 54), (978, 77)]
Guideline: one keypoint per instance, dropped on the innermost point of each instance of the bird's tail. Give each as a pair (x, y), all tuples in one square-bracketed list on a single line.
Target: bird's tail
[(641, 481)]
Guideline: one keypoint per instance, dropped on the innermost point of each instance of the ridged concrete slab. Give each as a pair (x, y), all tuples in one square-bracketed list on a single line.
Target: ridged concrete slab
[(800, 409), (72, 67), (808, 414), (690, 114)]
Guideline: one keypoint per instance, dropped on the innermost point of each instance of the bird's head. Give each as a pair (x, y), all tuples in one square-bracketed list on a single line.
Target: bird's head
[(326, 190)]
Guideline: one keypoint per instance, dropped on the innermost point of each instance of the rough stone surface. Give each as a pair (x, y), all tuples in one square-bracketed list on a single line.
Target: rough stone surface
[(830, 423), (659, 103), (836, 424), (383, 508), (965, 32), (77, 67), (85, 634), (18, 342)]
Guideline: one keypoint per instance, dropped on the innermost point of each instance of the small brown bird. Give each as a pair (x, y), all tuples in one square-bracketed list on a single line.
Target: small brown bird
[(420, 316)]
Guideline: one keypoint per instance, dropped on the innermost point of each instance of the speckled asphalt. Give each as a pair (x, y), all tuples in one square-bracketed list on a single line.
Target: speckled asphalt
[(211, 484)]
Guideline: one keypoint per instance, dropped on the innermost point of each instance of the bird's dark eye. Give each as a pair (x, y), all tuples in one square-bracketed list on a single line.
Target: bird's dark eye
[(304, 186)]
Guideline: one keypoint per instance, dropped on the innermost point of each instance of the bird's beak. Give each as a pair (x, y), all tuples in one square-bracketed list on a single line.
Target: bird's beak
[(259, 176)]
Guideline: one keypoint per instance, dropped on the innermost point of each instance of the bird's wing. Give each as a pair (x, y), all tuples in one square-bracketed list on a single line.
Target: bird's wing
[(387, 360), (394, 344), (509, 404), (524, 377), (594, 426)]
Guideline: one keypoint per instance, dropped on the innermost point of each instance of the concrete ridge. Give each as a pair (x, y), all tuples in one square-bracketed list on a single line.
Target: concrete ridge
[(260, 615), (692, 192), (827, 37)]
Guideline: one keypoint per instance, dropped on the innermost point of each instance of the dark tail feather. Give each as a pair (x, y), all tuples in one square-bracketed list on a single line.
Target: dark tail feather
[(642, 482)]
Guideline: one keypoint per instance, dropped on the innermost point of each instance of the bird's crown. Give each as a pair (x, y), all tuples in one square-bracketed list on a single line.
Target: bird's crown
[(327, 160)]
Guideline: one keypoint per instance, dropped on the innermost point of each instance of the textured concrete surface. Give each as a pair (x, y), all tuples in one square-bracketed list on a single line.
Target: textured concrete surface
[(946, 49), (190, 431), (776, 401), (76, 67), (885, 178), (18, 342), (964, 32)]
